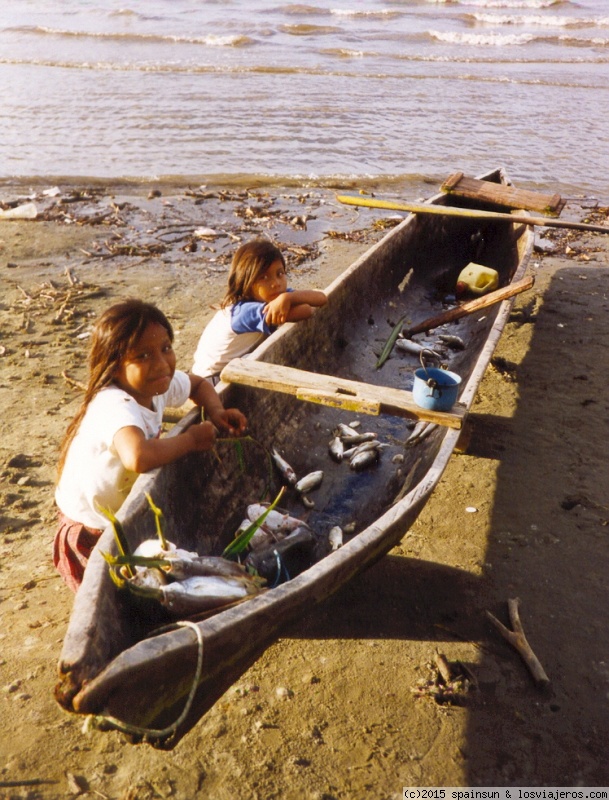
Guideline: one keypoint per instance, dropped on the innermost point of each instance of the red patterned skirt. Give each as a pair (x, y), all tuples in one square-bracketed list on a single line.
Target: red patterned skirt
[(71, 549)]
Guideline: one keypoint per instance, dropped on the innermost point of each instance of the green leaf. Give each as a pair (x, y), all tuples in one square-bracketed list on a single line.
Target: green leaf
[(390, 342)]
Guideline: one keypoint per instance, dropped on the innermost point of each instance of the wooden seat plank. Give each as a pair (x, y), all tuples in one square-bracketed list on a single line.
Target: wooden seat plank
[(329, 390), (485, 191)]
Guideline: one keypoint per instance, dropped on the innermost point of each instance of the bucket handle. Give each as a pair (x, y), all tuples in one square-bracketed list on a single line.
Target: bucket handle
[(430, 381)]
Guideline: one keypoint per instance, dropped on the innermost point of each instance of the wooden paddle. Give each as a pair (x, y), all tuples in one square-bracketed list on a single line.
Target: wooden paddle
[(467, 213), (470, 307)]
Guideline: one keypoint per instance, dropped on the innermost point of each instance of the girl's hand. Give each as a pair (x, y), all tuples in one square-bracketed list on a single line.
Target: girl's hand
[(276, 312), (203, 436), (229, 420)]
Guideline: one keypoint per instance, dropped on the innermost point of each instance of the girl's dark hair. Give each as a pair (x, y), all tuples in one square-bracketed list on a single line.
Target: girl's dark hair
[(250, 261), (116, 332)]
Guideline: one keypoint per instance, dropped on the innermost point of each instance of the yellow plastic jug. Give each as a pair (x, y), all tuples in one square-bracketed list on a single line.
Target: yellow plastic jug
[(477, 279)]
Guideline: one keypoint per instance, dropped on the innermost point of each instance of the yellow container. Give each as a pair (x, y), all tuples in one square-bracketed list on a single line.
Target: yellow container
[(477, 279)]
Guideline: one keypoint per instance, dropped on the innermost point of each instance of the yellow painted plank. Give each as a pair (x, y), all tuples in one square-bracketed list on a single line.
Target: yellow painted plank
[(337, 392)]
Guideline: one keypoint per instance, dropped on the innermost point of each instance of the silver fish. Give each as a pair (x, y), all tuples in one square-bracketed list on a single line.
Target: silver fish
[(180, 569), (345, 430), (285, 470), (203, 592), (276, 522), (309, 482), (335, 537), (364, 459), (374, 444), (421, 431), (152, 577), (414, 348), (152, 548), (263, 539), (454, 342), (358, 438), (336, 449)]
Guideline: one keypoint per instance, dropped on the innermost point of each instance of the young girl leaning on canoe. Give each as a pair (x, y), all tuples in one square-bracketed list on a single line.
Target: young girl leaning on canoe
[(116, 433), (256, 302)]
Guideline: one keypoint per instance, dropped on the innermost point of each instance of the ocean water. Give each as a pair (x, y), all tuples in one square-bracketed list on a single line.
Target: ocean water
[(400, 91)]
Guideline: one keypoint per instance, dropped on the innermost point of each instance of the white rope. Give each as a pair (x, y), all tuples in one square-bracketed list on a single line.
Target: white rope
[(99, 720)]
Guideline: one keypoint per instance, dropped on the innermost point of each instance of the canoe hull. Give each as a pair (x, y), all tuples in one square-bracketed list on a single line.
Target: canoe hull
[(107, 667)]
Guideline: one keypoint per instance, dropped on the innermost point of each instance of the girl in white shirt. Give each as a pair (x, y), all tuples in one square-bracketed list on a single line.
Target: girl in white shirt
[(116, 433)]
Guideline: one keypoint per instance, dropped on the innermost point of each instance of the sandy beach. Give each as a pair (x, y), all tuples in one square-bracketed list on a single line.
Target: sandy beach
[(340, 707)]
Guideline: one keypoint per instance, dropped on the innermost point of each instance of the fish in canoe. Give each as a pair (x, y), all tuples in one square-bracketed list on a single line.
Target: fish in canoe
[(128, 666)]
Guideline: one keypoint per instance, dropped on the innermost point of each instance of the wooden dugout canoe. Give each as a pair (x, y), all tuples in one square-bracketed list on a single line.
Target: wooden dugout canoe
[(114, 664)]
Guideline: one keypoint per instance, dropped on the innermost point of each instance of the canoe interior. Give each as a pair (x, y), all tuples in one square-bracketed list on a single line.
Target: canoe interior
[(105, 659)]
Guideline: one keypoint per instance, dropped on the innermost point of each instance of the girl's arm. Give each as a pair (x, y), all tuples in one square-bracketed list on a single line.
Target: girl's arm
[(139, 454), (293, 306), (229, 420), (312, 297)]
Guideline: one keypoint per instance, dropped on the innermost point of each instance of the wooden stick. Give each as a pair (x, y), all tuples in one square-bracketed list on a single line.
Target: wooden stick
[(468, 213), (73, 382), (519, 642), (470, 306)]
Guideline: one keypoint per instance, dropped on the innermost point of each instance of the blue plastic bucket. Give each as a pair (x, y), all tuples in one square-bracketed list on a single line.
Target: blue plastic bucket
[(435, 389)]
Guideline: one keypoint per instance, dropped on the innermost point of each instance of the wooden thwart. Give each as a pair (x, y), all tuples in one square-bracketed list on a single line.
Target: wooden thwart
[(487, 192), (328, 390)]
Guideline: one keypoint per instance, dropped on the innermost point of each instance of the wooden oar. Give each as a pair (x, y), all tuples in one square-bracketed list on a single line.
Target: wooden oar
[(470, 306), (466, 213)]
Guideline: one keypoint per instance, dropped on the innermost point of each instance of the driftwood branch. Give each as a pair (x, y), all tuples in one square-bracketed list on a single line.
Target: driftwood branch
[(519, 642)]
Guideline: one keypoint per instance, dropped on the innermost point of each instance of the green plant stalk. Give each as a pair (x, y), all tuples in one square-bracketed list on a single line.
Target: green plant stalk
[(119, 534), (159, 521)]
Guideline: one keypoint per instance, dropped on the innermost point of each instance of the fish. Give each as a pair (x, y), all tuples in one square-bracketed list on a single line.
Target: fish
[(309, 482), (414, 348), (276, 522), (201, 593), (420, 431), (358, 438), (284, 469), (454, 342), (152, 577), (263, 538), (345, 430), (180, 569), (364, 459), (336, 449), (152, 548), (374, 444), (335, 537)]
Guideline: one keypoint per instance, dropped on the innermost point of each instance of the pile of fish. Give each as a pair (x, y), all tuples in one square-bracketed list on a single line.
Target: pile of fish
[(361, 450), (281, 547), (182, 582)]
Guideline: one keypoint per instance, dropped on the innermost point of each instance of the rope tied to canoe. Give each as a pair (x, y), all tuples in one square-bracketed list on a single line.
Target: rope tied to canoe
[(150, 734)]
